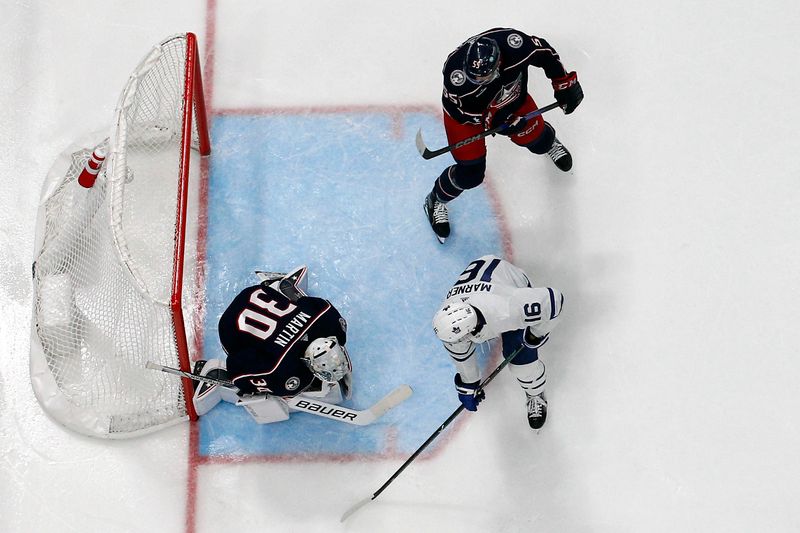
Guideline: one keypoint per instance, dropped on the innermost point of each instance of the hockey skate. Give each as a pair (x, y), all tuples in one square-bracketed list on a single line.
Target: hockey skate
[(537, 410), (560, 155), (436, 212)]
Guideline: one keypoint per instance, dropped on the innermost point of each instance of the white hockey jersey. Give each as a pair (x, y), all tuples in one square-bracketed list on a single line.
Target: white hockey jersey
[(503, 295)]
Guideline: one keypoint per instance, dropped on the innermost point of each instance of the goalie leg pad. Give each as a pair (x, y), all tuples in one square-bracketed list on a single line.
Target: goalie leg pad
[(265, 409), (208, 395)]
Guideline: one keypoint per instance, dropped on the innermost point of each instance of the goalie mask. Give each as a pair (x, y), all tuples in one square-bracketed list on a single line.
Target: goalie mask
[(327, 359), (455, 321)]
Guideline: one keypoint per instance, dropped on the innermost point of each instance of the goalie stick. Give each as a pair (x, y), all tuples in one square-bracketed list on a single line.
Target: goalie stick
[(355, 507), (312, 405), (430, 154)]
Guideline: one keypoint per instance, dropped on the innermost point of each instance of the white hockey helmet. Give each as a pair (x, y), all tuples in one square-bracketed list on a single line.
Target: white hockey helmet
[(455, 321), (327, 359)]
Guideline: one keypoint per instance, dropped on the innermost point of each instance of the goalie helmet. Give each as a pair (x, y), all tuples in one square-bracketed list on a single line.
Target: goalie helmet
[(455, 321), (482, 62), (327, 359)]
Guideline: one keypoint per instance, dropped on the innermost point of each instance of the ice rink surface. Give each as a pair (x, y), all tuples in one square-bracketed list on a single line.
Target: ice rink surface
[(672, 379)]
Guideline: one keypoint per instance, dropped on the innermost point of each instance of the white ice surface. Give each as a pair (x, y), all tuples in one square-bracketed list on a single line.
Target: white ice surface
[(673, 379)]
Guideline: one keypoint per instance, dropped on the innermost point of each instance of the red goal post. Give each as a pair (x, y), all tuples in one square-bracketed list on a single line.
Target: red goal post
[(116, 257)]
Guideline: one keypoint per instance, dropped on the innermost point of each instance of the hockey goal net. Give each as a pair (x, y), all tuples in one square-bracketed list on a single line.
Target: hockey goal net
[(115, 259)]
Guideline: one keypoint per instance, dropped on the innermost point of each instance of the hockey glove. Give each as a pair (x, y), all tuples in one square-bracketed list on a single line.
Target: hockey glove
[(506, 119), (568, 92), (532, 341), (469, 394)]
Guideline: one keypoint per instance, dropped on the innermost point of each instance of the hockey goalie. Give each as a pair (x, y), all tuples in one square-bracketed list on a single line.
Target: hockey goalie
[(280, 344)]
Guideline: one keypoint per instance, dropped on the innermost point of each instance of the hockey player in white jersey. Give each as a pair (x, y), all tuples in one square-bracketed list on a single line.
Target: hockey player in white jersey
[(493, 298)]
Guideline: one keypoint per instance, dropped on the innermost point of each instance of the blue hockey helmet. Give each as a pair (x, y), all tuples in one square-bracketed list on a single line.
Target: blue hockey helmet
[(482, 62)]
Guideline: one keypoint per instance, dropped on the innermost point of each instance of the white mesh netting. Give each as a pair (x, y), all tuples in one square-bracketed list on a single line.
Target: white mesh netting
[(104, 266)]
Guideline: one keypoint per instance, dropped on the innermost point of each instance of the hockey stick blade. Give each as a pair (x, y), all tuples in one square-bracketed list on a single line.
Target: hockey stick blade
[(430, 154), (423, 150), (355, 508), (347, 415), (393, 399)]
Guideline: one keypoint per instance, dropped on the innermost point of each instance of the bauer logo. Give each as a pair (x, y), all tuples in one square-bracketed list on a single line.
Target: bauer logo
[(323, 410), (514, 40)]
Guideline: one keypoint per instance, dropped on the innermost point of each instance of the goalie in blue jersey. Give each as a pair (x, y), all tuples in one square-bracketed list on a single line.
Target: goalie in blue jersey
[(280, 343)]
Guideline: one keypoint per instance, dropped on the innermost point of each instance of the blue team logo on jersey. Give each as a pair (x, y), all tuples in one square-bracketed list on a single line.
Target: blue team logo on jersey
[(514, 40), (457, 78)]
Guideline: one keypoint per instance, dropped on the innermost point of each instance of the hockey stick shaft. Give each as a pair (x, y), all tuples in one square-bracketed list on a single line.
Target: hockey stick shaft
[(196, 377), (430, 154), (430, 439), (312, 405)]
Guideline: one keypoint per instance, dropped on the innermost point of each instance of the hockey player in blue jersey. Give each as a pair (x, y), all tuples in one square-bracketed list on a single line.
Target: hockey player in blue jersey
[(493, 298), (280, 343), (486, 86)]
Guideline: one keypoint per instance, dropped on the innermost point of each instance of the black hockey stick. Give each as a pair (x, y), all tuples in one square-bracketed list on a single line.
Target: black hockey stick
[(430, 154), (425, 444)]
